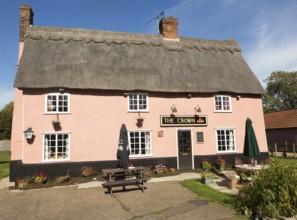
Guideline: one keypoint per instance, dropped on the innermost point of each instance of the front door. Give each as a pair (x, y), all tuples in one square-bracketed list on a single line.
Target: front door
[(184, 149)]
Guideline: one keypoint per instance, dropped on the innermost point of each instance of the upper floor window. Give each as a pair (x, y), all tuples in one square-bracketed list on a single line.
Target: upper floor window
[(57, 103), (138, 102), (222, 103), (225, 140), (140, 143), (56, 146)]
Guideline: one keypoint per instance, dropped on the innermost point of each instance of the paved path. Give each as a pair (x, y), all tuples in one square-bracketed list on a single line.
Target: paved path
[(162, 200)]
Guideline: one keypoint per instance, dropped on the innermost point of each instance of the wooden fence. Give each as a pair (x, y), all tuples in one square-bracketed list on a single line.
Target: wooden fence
[(4, 145), (283, 149)]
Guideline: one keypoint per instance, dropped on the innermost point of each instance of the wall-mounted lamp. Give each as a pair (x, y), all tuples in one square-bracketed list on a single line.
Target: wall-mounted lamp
[(61, 90), (189, 95), (238, 97), (197, 109), (28, 133), (173, 109)]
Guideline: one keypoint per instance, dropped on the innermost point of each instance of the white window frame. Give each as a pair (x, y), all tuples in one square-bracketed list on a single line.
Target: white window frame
[(138, 105), (44, 151), (226, 140), (57, 107), (222, 103), (150, 143)]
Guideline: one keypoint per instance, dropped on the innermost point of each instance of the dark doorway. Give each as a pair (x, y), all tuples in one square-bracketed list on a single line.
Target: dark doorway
[(184, 149)]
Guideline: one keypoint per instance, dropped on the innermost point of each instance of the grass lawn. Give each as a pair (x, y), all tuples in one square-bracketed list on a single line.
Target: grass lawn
[(206, 192), (4, 164), (285, 161)]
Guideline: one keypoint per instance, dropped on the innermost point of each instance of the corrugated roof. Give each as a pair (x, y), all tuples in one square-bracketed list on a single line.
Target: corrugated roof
[(91, 59), (281, 119)]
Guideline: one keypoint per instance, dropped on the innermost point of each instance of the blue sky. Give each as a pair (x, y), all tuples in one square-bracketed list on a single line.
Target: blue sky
[(265, 29)]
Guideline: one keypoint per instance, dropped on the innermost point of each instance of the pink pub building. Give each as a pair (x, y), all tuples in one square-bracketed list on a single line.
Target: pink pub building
[(181, 99)]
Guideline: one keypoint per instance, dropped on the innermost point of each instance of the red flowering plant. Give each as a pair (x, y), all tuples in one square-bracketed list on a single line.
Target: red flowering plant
[(87, 171), (221, 162), (147, 172), (40, 177), (160, 169), (22, 182)]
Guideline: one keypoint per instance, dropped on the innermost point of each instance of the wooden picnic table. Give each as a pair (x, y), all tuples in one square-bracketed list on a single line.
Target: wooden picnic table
[(246, 167), (124, 177)]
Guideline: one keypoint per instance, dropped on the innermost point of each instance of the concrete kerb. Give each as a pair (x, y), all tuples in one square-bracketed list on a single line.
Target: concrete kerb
[(4, 183)]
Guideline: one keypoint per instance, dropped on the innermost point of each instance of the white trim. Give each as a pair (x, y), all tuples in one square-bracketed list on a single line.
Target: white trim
[(140, 156), (151, 143), (43, 147), (23, 137), (177, 154), (56, 132), (57, 100), (234, 140), (222, 111), (196, 139), (55, 113), (138, 110)]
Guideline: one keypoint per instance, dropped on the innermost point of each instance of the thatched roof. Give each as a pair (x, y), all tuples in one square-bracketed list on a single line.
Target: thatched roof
[(90, 59)]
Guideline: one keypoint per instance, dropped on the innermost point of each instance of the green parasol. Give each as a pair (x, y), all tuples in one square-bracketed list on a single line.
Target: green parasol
[(251, 148)]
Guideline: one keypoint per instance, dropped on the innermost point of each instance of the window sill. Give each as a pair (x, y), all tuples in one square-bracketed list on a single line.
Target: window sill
[(57, 113), (223, 111), (133, 111), (140, 156), (227, 152), (54, 161)]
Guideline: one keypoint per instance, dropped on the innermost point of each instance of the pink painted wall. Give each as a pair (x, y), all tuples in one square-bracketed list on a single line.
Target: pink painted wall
[(96, 117)]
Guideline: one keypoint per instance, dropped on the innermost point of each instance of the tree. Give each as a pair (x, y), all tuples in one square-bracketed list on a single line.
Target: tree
[(6, 121), (281, 91)]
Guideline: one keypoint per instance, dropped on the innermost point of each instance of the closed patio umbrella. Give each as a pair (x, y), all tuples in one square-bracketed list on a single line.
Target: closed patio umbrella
[(123, 151), (251, 148)]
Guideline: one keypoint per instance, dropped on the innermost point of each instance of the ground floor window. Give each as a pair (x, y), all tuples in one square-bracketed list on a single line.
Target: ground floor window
[(140, 143), (56, 146), (225, 140)]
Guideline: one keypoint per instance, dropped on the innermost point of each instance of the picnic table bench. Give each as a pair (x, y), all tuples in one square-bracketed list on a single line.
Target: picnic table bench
[(124, 177)]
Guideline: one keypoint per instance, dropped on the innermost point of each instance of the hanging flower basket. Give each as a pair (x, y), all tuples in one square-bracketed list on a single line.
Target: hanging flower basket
[(140, 120), (56, 123)]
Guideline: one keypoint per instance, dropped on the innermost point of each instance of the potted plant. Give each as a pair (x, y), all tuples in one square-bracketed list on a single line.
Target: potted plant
[(206, 179), (221, 163), (56, 122), (206, 166), (23, 182), (40, 178)]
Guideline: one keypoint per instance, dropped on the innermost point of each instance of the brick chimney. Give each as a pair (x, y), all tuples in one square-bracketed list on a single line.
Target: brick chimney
[(26, 19), (168, 27)]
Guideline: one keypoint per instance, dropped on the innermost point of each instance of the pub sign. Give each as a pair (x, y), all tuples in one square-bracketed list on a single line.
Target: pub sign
[(175, 121)]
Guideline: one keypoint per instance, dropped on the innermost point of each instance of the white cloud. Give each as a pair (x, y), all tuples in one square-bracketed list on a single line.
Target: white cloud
[(274, 46), (266, 30), (7, 95)]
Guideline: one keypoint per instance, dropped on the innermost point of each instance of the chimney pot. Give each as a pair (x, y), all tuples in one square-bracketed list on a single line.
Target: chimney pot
[(26, 19), (168, 27)]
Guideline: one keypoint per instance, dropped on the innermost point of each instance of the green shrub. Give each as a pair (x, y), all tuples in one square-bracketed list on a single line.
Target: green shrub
[(272, 193)]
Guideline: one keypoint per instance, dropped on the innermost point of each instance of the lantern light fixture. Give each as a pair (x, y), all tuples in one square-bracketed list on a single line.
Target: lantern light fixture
[(197, 109), (28, 133), (173, 109)]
